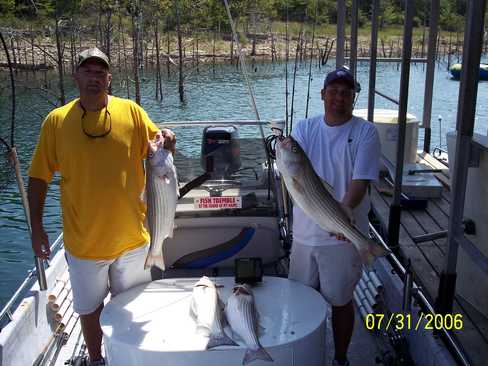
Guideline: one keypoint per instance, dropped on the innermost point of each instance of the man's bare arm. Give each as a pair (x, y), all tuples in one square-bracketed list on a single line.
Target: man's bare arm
[(37, 196)]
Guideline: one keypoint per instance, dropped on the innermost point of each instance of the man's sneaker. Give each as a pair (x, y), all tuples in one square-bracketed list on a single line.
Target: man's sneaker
[(337, 363)]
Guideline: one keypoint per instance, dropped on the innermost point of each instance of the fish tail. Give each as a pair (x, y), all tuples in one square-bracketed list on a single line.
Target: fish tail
[(223, 340), (256, 354), (154, 260), (372, 251)]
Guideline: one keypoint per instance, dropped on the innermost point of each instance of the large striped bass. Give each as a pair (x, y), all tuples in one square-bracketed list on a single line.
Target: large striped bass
[(161, 197), (315, 197), (207, 310), (243, 319)]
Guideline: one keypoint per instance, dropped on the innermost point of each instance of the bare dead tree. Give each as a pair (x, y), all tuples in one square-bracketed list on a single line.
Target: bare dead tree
[(159, 84), (124, 52), (135, 16), (59, 59), (213, 53), (181, 89), (169, 53)]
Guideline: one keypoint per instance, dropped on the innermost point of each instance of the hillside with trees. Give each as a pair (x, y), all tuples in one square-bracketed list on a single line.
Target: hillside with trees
[(47, 34)]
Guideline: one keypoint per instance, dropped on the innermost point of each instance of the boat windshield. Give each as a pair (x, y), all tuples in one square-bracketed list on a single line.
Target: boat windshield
[(233, 170)]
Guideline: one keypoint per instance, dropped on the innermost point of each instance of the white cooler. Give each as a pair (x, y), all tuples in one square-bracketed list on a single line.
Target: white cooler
[(151, 325)]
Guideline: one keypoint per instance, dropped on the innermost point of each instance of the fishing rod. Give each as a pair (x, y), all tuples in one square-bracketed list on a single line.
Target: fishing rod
[(294, 77), (286, 69), (242, 62), (311, 58), (12, 153)]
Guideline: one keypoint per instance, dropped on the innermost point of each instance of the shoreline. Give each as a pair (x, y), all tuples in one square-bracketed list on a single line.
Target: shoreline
[(31, 55)]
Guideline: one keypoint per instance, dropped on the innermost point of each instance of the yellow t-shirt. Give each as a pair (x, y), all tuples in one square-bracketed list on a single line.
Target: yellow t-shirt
[(102, 179)]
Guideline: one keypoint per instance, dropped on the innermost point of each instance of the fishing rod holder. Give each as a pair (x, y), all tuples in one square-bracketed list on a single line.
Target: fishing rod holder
[(41, 273)]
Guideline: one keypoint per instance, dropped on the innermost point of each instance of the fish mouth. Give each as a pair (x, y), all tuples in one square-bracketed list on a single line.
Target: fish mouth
[(240, 290)]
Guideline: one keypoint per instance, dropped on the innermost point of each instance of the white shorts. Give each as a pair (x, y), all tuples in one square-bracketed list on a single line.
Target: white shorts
[(334, 270), (91, 280)]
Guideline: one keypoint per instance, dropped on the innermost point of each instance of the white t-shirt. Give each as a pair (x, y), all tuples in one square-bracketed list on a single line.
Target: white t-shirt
[(339, 154)]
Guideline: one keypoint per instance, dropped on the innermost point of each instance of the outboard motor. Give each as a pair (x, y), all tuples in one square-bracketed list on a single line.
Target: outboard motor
[(220, 151)]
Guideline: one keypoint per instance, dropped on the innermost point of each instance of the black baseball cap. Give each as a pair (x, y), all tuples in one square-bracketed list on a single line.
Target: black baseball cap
[(342, 73)]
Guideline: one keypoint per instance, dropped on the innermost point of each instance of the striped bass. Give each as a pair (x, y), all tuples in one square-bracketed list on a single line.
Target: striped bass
[(243, 319), (207, 310), (161, 197), (315, 197)]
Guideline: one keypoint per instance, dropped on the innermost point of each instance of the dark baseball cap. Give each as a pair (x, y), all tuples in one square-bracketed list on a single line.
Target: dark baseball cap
[(342, 73), (92, 53)]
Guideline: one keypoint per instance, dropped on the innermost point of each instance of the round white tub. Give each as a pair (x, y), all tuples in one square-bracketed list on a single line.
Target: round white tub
[(150, 325)]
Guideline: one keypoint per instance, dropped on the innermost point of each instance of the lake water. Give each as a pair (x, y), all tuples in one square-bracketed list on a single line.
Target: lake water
[(209, 97)]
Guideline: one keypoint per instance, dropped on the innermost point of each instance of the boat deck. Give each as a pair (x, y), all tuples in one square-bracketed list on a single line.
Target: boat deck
[(428, 258)]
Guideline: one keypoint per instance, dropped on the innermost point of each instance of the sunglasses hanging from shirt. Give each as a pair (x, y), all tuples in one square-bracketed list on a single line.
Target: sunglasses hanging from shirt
[(106, 117)]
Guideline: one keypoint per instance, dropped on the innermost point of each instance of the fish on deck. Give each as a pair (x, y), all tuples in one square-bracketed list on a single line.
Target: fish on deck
[(243, 319), (207, 310)]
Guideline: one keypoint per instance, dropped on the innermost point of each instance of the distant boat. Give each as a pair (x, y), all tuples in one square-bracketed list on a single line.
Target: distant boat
[(455, 71)]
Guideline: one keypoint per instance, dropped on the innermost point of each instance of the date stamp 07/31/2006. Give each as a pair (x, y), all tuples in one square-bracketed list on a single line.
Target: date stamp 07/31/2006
[(404, 321)]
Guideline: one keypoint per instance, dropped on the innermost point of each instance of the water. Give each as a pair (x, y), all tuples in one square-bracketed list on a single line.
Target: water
[(209, 96)]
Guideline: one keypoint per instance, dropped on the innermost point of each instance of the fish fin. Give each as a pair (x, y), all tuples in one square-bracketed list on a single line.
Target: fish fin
[(154, 260), (223, 340), (258, 354), (232, 334), (349, 213), (170, 231), (193, 311), (297, 185), (372, 251), (202, 330), (328, 187)]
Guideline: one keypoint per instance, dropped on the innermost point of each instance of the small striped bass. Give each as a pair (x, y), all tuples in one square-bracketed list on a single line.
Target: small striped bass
[(207, 310), (243, 319), (161, 197), (315, 197)]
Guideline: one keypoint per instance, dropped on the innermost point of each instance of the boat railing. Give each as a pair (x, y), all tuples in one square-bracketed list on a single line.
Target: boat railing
[(393, 100), (8, 308)]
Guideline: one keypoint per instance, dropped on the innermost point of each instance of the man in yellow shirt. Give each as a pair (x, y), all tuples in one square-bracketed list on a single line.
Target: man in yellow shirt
[(97, 143)]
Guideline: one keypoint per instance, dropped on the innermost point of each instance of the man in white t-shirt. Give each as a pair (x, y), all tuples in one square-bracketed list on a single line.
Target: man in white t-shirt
[(344, 150)]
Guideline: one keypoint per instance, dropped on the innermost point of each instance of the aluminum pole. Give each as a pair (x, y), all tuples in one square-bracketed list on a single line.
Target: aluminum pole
[(395, 209), (372, 61), (429, 77), (468, 90), (341, 30)]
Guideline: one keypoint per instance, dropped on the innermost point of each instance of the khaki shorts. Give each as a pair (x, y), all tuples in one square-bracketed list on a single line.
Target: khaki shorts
[(334, 270), (92, 280)]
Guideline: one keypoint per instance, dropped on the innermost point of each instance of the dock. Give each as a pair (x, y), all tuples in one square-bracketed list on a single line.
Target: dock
[(428, 257)]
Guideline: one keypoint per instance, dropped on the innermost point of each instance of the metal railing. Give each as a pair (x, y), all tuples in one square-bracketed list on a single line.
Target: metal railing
[(7, 309), (417, 292), (270, 123)]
